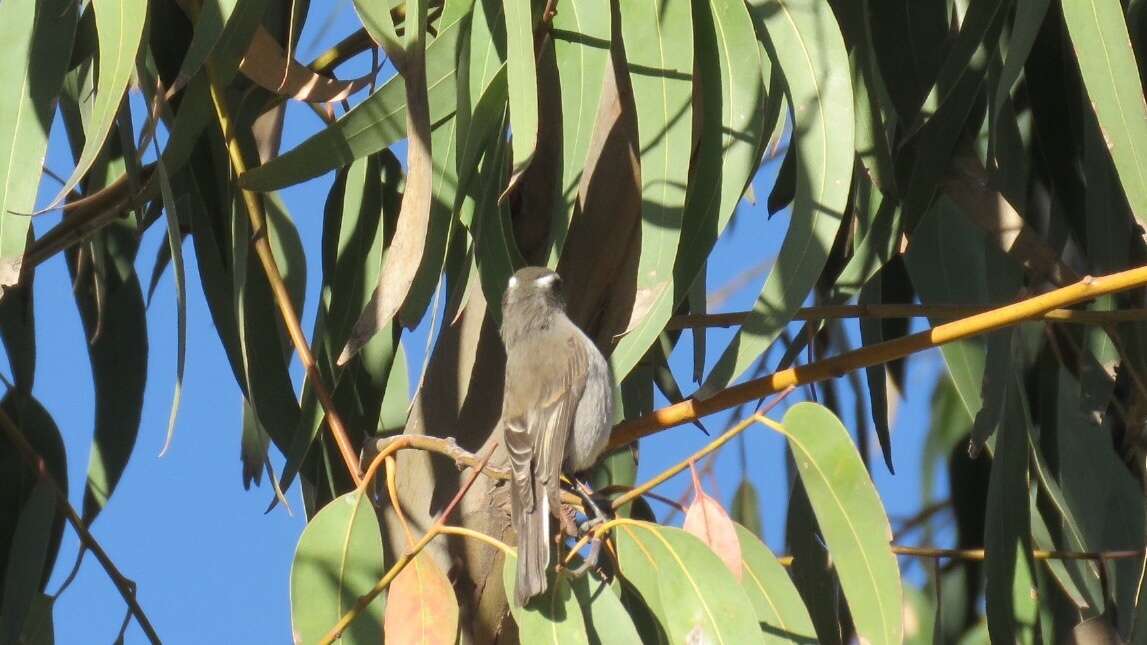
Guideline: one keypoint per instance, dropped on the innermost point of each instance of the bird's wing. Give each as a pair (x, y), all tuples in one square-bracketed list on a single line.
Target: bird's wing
[(536, 435)]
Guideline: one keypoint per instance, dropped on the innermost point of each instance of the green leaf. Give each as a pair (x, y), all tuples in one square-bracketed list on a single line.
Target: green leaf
[(379, 23), (746, 507), (850, 517), (522, 78), (214, 16), (27, 558), (18, 481), (607, 621), (1107, 64), (732, 125), (374, 124), (552, 617), (581, 36), (1006, 532), (692, 593), (778, 606), (119, 24), (658, 38), (339, 558), (36, 36), (18, 332), (805, 42), (114, 318), (1025, 27)]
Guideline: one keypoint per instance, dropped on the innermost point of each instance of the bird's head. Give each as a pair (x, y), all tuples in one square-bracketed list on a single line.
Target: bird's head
[(532, 296)]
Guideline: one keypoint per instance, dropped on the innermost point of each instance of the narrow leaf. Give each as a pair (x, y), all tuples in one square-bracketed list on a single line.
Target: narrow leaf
[(805, 42), (553, 617), (522, 77), (1098, 34), (40, 31), (658, 37), (119, 24)]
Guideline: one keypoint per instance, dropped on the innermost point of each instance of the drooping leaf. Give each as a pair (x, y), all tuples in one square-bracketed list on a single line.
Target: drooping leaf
[(119, 24), (420, 605), (851, 518), (778, 606), (20, 479), (581, 34), (522, 78), (658, 39), (746, 507), (213, 18), (18, 333), (36, 35), (694, 596), (339, 558), (1006, 531), (1098, 34), (552, 617), (406, 251), (804, 41), (27, 558)]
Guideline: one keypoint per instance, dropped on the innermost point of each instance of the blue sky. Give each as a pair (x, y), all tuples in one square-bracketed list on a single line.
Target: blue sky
[(210, 564)]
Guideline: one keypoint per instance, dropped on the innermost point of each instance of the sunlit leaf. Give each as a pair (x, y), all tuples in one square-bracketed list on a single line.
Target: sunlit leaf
[(268, 66), (851, 518), (778, 606), (522, 78), (658, 39), (1098, 34), (693, 595), (339, 558), (40, 31), (119, 24)]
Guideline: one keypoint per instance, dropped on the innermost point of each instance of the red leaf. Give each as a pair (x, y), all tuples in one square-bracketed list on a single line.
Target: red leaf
[(421, 607), (707, 520)]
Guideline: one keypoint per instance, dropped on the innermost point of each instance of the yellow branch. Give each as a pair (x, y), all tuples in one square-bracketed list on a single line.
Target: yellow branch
[(693, 409)]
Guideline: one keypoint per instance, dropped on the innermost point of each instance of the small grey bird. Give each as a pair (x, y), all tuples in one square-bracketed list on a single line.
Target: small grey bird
[(557, 410)]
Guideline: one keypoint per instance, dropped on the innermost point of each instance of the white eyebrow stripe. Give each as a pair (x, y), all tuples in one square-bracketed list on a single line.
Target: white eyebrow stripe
[(547, 279)]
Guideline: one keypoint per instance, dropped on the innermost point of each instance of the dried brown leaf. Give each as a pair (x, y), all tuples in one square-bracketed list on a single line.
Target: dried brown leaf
[(266, 64), (707, 520), (421, 607)]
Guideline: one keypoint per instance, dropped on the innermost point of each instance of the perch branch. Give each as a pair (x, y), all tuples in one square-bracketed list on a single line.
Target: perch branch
[(991, 320)]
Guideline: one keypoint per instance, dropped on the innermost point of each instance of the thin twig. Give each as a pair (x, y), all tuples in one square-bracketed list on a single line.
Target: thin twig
[(689, 410), (279, 288), (384, 582), (710, 447), (125, 586)]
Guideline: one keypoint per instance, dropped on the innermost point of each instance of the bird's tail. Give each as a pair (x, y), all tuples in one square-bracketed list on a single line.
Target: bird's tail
[(533, 550)]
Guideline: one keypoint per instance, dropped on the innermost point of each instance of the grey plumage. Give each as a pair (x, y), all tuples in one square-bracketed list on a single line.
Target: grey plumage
[(557, 411)]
